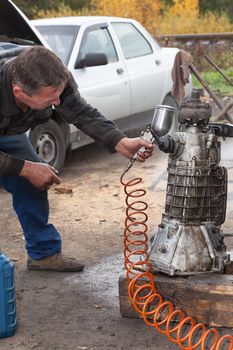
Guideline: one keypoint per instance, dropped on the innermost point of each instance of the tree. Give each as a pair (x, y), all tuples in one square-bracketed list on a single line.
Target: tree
[(184, 16), (76, 4), (217, 6), (31, 7), (146, 11), (184, 8)]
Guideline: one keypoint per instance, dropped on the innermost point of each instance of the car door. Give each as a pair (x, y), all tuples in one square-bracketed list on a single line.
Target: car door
[(105, 87), (147, 73)]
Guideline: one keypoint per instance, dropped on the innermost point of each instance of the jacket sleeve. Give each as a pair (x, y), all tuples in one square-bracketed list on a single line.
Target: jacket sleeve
[(77, 111), (10, 165)]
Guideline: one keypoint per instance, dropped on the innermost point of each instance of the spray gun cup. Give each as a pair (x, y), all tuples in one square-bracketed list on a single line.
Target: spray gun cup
[(162, 120)]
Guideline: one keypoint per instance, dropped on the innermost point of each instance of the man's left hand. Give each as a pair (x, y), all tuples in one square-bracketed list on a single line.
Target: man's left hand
[(129, 146)]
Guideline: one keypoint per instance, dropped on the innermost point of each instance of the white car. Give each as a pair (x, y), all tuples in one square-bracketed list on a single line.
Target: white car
[(119, 68)]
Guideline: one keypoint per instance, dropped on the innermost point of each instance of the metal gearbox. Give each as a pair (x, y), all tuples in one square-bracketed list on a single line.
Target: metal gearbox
[(189, 239)]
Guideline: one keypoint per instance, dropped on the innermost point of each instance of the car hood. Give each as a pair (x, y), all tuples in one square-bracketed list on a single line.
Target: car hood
[(15, 26)]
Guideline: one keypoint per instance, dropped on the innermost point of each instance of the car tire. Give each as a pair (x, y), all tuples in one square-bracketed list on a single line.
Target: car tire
[(170, 101), (48, 141)]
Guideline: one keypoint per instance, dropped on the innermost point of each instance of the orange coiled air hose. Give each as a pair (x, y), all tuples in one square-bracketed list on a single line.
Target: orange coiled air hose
[(162, 315)]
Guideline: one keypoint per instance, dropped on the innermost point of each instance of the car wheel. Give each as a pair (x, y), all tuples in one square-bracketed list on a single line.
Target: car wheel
[(170, 101), (48, 142)]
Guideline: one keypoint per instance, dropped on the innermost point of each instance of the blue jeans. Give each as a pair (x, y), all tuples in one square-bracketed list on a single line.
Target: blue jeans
[(30, 204)]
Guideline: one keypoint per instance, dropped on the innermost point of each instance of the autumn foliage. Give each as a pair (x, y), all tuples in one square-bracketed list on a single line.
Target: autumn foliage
[(146, 11), (182, 16)]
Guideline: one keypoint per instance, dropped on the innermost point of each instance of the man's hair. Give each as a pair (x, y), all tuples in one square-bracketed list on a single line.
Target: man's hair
[(37, 67)]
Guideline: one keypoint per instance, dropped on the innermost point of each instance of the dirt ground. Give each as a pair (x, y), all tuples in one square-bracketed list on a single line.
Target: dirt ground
[(65, 311)]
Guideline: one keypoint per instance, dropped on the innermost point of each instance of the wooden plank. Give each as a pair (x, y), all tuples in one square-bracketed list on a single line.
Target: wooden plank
[(208, 297)]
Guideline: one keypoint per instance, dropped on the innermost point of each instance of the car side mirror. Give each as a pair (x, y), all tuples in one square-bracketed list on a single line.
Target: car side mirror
[(91, 60)]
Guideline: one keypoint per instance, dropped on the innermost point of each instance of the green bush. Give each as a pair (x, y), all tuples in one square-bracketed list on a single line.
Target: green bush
[(216, 82)]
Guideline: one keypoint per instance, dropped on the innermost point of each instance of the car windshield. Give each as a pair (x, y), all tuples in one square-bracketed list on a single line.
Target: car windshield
[(60, 38)]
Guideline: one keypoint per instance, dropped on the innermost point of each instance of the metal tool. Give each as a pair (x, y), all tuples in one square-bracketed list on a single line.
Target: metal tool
[(160, 126)]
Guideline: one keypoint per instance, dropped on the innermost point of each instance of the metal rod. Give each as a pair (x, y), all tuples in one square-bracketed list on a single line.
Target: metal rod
[(218, 69), (221, 114), (211, 93)]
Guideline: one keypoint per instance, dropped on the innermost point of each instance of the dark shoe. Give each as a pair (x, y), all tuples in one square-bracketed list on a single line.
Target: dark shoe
[(56, 262)]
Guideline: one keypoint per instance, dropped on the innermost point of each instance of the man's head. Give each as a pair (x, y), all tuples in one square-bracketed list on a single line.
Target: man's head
[(38, 77)]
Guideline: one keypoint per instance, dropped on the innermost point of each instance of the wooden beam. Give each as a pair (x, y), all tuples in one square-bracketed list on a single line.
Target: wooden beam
[(207, 297)]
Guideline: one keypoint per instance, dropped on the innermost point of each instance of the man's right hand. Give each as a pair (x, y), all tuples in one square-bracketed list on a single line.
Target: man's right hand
[(41, 175)]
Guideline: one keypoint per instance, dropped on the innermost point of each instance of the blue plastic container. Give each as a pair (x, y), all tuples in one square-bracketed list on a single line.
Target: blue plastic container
[(7, 297)]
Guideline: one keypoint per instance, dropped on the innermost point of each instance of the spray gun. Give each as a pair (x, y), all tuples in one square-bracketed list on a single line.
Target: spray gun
[(161, 124)]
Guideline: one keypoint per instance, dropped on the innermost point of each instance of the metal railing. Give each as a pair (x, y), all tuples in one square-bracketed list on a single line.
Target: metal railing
[(218, 46), (195, 37)]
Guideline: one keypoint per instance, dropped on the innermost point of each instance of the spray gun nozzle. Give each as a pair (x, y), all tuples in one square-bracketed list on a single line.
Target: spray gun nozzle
[(160, 126)]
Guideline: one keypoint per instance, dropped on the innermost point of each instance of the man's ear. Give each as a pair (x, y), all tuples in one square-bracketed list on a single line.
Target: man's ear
[(17, 91)]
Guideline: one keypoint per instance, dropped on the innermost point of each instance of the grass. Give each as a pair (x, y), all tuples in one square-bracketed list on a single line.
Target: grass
[(216, 82)]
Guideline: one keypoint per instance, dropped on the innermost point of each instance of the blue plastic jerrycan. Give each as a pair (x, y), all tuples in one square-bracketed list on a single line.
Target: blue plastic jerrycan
[(7, 297)]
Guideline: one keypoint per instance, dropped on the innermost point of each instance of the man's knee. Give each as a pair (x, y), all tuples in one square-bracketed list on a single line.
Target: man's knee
[(19, 146)]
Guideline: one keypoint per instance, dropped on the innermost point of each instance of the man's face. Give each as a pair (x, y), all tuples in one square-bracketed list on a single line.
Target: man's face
[(43, 98)]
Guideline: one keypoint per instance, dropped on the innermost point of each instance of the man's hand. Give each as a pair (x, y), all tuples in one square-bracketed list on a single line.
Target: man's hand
[(41, 175), (129, 146)]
